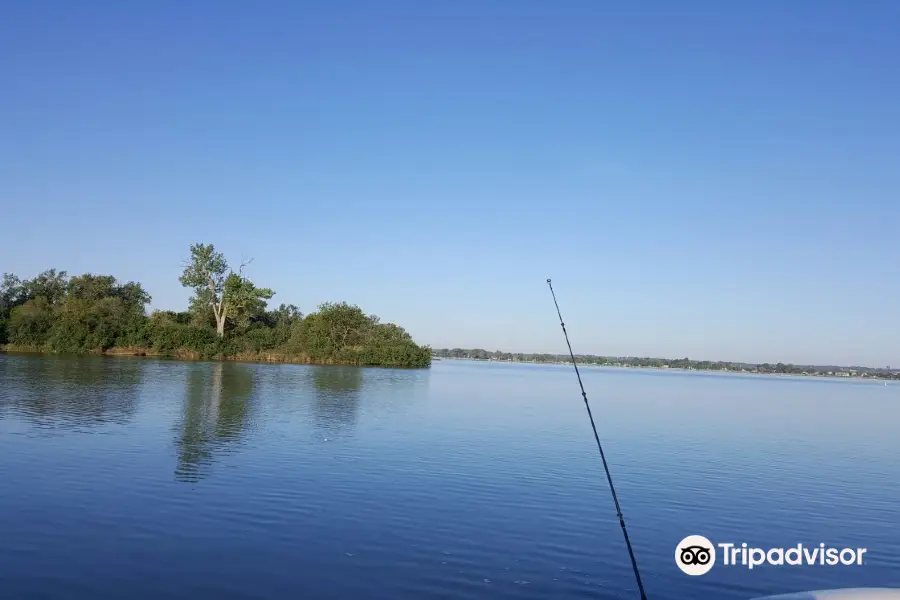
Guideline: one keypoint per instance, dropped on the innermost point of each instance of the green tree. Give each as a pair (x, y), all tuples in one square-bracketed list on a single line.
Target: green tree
[(97, 287), (30, 323), (11, 292), (11, 296), (229, 294), (284, 316), (244, 301), (331, 330), (81, 325), (50, 284)]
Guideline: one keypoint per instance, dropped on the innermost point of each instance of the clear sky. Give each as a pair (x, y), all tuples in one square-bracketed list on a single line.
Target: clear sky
[(716, 180)]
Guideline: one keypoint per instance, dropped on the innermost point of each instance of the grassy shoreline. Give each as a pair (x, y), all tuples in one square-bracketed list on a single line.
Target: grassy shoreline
[(188, 355)]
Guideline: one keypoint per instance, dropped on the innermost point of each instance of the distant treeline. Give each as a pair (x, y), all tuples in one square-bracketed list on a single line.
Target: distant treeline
[(669, 363), (228, 318)]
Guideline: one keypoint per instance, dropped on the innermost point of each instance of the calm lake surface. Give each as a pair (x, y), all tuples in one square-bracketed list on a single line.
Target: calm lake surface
[(133, 478)]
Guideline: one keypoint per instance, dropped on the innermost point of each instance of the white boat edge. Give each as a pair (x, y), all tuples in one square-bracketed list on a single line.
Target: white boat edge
[(841, 594)]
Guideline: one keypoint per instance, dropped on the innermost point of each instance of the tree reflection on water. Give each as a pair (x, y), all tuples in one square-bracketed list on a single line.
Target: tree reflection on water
[(64, 393), (337, 396), (216, 414)]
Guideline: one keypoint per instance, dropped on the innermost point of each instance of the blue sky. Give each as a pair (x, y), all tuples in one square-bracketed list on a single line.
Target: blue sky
[(703, 179)]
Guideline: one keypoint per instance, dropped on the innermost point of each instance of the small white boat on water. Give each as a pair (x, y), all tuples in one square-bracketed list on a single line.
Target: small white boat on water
[(841, 594)]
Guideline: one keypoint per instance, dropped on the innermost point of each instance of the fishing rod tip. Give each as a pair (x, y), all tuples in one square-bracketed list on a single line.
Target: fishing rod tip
[(548, 280)]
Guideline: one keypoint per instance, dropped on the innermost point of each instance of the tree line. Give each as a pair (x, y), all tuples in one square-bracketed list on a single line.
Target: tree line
[(667, 363), (227, 318)]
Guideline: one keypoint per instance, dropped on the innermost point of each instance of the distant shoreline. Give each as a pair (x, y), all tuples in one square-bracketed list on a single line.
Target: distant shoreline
[(676, 365)]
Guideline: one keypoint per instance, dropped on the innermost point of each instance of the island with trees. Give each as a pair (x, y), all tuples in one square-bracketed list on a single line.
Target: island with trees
[(228, 318), (668, 363)]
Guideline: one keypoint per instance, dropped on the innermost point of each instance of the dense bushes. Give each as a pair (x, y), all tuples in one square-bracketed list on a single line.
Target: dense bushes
[(91, 313)]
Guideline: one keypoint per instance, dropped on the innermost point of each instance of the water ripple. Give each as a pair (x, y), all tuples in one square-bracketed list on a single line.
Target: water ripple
[(147, 479)]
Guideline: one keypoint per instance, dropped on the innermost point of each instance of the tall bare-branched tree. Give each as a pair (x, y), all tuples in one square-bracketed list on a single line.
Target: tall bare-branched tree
[(230, 294)]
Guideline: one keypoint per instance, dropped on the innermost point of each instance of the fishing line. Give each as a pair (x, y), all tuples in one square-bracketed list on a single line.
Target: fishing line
[(637, 574)]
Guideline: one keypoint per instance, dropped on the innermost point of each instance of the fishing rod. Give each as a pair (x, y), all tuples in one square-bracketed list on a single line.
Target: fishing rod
[(637, 574)]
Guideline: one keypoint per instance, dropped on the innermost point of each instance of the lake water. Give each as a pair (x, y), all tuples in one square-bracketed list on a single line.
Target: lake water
[(134, 478)]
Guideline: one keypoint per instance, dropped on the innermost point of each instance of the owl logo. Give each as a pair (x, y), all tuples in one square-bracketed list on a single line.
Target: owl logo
[(695, 555)]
